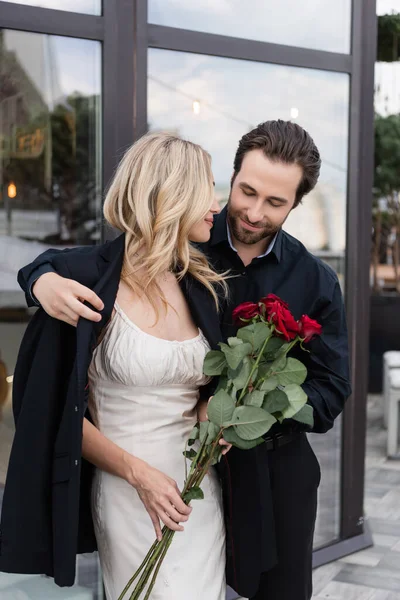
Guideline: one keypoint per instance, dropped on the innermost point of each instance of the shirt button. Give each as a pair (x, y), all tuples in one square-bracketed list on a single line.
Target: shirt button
[(244, 273), (76, 409), (76, 463)]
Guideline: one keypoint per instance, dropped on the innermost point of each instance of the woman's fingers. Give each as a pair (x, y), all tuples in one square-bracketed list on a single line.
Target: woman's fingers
[(156, 524), (177, 502), (172, 512), (166, 519)]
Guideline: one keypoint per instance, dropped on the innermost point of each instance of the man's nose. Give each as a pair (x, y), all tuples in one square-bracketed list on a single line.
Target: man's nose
[(254, 214)]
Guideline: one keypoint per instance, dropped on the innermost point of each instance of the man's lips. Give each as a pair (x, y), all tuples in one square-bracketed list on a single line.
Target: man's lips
[(250, 227)]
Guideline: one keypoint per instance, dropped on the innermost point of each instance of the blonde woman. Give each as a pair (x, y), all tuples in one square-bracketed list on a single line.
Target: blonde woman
[(143, 361)]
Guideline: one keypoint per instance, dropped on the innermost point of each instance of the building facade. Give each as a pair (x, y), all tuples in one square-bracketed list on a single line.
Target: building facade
[(80, 80)]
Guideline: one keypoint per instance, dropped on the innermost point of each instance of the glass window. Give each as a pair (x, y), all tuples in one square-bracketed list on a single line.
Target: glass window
[(214, 101), (317, 24), (50, 186), (88, 7)]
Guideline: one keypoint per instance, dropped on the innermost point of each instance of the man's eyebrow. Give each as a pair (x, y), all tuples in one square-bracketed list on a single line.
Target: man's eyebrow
[(243, 184)]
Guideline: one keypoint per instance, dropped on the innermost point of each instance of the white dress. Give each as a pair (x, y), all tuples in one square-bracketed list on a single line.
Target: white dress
[(144, 392)]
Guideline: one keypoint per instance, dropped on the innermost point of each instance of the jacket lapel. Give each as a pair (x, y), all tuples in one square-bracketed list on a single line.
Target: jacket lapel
[(203, 310), (111, 257)]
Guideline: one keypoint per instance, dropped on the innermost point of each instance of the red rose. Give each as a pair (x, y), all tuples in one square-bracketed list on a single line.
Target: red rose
[(245, 312), (309, 328), (270, 302), (285, 323)]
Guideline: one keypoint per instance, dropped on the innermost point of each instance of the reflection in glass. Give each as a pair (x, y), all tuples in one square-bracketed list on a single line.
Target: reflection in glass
[(317, 24), (50, 195), (88, 7), (214, 101), (50, 148)]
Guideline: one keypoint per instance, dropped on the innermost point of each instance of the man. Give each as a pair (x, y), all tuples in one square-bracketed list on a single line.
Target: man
[(275, 166)]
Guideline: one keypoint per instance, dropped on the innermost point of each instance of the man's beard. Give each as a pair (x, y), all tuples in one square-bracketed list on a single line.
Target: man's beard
[(244, 236)]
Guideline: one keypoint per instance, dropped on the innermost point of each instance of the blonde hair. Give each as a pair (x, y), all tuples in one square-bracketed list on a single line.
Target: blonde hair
[(162, 188)]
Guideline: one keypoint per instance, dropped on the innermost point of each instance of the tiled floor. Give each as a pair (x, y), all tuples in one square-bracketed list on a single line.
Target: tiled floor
[(372, 574)]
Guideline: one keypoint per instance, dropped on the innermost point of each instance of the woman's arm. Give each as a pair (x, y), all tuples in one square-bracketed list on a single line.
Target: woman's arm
[(158, 492)]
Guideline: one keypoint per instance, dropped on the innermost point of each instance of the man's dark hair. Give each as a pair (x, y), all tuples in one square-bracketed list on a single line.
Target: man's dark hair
[(286, 142)]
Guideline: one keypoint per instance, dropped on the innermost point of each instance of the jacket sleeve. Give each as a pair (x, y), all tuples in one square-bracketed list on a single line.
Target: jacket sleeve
[(328, 381)]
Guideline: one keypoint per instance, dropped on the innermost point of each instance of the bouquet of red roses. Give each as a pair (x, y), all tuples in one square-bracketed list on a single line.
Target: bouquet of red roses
[(258, 386)]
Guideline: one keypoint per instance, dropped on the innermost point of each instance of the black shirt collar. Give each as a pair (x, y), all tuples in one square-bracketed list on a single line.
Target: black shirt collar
[(219, 234)]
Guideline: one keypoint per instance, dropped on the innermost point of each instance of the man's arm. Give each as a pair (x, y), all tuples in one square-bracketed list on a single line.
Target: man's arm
[(328, 383), (61, 297), (30, 273)]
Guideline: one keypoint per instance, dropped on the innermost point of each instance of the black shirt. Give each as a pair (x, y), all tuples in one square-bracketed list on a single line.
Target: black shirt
[(310, 287)]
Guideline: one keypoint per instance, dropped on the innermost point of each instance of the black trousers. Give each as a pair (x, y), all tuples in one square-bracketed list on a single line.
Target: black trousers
[(295, 477)]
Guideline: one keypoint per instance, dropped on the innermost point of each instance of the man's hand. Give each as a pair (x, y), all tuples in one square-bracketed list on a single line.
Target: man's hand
[(63, 299)]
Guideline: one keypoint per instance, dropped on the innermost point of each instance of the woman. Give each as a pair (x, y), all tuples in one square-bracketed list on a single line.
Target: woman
[(145, 375)]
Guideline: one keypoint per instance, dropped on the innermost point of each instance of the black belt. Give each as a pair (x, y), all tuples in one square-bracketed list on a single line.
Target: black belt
[(280, 439)]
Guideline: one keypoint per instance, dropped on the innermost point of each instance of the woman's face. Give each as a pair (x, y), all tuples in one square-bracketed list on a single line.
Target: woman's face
[(201, 231)]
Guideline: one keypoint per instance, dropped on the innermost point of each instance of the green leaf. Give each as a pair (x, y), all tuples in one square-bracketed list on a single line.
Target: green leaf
[(305, 415), (195, 493), (274, 344), (270, 384), (233, 392), (275, 401), (254, 398), (294, 372), (190, 453), (251, 422), (278, 365), (222, 383), (255, 334), (234, 356), (194, 435), (203, 431), (234, 341), (232, 437), (240, 376), (297, 398), (213, 431), (220, 408), (214, 363)]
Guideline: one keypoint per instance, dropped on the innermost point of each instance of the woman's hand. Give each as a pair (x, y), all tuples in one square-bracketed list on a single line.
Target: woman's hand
[(160, 495), (202, 416)]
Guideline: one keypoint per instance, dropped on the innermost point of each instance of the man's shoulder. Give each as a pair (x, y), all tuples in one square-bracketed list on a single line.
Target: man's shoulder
[(81, 262), (313, 263)]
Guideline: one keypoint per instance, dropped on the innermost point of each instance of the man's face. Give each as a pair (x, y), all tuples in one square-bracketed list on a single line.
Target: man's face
[(262, 196)]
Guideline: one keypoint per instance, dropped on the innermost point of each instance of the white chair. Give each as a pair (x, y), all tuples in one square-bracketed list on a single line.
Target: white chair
[(393, 412), (391, 360)]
